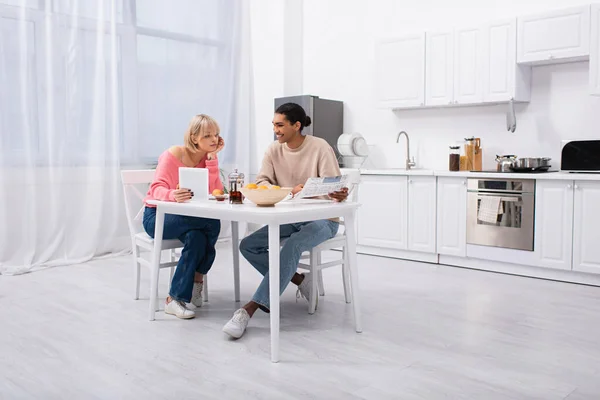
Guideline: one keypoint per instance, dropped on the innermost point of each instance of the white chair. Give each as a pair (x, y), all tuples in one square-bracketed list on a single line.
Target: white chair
[(140, 240), (316, 266)]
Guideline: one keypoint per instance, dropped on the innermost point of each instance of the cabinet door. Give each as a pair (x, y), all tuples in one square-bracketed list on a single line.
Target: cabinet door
[(401, 72), (553, 36), (439, 68), (503, 80), (468, 66), (452, 216), (554, 223), (382, 214), (586, 240), (421, 213), (595, 51)]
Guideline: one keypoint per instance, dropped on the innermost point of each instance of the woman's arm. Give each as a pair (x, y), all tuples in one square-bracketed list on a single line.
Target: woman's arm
[(165, 181), (214, 176)]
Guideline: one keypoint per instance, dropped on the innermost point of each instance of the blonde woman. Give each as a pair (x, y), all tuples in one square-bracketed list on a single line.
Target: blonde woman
[(202, 142)]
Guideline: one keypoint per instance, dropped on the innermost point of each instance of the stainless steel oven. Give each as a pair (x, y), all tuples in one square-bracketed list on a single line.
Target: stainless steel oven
[(500, 213)]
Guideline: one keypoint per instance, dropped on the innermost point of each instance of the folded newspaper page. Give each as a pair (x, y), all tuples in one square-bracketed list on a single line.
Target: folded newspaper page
[(322, 186)]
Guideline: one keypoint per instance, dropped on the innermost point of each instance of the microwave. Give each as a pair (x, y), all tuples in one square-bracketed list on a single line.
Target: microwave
[(580, 156)]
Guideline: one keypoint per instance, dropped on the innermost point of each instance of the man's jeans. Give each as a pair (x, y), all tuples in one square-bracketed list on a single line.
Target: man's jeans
[(199, 236), (300, 237)]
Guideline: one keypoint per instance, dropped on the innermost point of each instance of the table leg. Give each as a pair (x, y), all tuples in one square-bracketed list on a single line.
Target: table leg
[(235, 245), (274, 289), (349, 221), (154, 270)]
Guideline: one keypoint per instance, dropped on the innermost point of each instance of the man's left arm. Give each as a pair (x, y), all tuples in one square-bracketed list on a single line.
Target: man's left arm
[(328, 166)]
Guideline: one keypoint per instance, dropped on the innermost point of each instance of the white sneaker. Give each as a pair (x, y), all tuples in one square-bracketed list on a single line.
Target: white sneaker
[(178, 309), (305, 288), (237, 324), (197, 294)]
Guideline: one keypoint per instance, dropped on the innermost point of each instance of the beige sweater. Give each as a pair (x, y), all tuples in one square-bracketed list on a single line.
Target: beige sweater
[(287, 167)]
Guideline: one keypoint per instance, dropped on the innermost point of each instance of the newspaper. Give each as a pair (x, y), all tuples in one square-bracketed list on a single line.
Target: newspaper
[(322, 186)]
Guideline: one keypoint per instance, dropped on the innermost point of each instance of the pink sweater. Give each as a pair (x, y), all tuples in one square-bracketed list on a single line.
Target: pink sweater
[(166, 177)]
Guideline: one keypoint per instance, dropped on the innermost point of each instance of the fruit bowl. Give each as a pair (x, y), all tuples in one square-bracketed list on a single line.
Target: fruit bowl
[(266, 197)]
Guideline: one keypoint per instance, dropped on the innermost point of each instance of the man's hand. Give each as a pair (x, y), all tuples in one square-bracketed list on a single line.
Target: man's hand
[(340, 195), (297, 189)]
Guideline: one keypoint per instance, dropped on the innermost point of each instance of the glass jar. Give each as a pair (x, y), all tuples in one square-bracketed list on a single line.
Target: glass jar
[(236, 182), (454, 158)]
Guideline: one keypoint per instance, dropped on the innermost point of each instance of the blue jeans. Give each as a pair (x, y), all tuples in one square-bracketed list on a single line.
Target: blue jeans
[(301, 237), (199, 236)]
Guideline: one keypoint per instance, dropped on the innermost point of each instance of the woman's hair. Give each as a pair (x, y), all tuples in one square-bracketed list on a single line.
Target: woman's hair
[(198, 126), (294, 113)]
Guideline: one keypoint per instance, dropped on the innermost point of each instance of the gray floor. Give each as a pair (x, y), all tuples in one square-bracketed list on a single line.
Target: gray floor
[(430, 332)]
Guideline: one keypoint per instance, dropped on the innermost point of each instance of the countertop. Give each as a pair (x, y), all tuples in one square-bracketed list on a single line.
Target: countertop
[(468, 174)]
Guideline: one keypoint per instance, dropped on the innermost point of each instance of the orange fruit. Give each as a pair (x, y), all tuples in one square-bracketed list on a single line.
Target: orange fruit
[(217, 192), (251, 186), (275, 187), (262, 187)]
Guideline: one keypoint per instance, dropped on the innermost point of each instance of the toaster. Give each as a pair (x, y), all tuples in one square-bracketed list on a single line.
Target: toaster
[(580, 156)]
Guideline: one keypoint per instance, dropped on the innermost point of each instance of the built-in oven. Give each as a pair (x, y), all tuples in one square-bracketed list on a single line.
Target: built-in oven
[(500, 213)]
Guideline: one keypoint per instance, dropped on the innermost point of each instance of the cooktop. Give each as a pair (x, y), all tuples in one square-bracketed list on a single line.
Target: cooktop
[(532, 171)]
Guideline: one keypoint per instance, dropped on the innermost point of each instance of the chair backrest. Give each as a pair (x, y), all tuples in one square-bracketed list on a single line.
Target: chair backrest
[(354, 182), (133, 180)]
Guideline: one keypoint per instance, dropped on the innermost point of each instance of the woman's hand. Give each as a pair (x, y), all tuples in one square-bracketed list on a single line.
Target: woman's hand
[(220, 145), (183, 195), (340, 195)]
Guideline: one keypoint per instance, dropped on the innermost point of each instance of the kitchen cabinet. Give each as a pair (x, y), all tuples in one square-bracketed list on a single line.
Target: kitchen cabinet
[(503, 79), (595, 50), (586, 223), (554, 223), (468, 66), (382, 218), (422, 213), (439, 68), (400, 72), (454, 67), (452, 216), (555, 36)]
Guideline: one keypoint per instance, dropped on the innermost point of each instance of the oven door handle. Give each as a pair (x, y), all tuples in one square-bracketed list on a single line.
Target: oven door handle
[(503, 196)]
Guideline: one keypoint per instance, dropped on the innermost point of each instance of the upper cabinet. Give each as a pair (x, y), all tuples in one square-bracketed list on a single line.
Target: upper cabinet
[(503, 79), (400, 68), (439, 68), (468, 66), (595, 51), (556, 36), (454, 67)]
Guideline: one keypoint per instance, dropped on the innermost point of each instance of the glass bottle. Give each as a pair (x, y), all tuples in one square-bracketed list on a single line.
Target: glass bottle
[(236, 182), (454, 158)]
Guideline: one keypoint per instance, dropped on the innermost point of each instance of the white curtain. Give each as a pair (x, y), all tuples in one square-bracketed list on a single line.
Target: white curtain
[(90, 87)]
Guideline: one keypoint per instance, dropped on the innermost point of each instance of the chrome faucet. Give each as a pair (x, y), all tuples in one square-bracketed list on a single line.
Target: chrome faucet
[(409, 163)]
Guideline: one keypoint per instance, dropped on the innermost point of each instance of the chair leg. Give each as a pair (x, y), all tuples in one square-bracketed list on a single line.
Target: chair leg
[(347, 289), (320, 275), (136, 271), (312, 302), (155, 271), (172, 258), (205, 289)]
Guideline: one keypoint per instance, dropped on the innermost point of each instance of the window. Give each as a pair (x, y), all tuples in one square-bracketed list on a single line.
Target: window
[(135, 86)]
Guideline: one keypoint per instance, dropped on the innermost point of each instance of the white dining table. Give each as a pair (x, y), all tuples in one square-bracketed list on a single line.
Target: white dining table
[(285, 212)]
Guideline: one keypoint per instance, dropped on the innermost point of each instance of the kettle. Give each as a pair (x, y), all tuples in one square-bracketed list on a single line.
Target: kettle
[(505, 163)]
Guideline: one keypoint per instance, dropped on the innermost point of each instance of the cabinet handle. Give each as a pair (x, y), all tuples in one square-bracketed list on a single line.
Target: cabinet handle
[(569, 186), (576, 186), (410, 181), (464, 183)]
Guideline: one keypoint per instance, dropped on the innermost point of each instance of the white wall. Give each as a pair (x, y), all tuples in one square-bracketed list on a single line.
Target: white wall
[(338, 42), (277, 51)]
